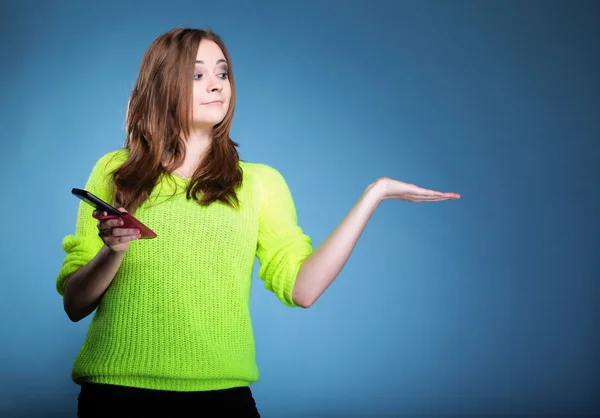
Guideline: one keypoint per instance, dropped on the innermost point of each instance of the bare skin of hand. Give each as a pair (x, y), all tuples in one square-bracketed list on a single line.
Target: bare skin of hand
[(115, 238), (398, 190)]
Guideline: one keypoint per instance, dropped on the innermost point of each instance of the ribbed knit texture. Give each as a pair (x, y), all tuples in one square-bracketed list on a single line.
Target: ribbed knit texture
[(176, 316)]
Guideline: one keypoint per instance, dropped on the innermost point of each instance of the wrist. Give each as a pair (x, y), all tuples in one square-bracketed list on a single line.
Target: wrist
[(113, 252), (377, 190)]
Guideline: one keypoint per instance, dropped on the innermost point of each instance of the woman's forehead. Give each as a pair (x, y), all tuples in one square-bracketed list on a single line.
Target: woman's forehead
[(209, 53)]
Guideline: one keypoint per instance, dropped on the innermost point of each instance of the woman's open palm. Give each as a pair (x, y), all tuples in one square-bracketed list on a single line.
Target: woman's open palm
[(395, 189)]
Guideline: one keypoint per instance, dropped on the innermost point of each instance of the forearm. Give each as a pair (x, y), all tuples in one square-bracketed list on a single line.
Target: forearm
[(320, 268), (85, 287)]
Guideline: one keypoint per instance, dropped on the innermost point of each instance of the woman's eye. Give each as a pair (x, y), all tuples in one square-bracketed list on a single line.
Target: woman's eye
[(197, 76), (224, 75)]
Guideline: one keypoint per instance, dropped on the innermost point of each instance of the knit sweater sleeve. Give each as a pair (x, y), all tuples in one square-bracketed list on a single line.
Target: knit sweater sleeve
[(82, 246), (282, 245)]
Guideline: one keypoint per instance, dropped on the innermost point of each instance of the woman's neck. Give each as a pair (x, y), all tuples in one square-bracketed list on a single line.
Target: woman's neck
[(196, 146)]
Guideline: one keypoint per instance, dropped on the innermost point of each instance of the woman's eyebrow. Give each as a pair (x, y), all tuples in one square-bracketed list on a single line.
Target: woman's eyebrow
[(218, 62)]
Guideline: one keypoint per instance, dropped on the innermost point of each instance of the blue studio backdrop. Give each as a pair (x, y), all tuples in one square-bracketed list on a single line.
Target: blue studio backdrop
[(485, 305)]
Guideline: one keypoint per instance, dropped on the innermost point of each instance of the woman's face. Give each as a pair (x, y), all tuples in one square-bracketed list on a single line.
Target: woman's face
[(211, 89)]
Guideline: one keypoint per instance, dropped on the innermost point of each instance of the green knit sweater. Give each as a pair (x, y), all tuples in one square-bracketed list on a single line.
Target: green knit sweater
[(176, 316)]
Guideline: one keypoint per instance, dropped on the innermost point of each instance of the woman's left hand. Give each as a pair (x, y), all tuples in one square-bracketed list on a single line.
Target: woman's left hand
[(394, 189)]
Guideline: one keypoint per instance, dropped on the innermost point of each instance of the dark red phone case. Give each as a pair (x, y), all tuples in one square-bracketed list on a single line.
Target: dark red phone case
[(129, 221)]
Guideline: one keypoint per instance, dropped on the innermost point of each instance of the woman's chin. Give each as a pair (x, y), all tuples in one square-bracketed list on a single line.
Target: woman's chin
[(206, 123)]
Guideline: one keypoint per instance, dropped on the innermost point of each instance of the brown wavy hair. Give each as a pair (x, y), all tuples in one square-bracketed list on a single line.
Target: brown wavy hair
[(159, 114)]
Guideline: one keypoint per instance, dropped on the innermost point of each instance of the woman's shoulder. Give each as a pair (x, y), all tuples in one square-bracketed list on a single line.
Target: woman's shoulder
[(265, 178), (255, 171), (112, 159), (106, 163)]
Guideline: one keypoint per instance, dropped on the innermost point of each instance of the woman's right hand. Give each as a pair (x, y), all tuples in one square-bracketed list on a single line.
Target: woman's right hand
[(115, 238)]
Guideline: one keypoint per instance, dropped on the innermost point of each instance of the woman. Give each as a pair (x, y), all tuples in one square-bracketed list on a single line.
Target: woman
[(171, 334)]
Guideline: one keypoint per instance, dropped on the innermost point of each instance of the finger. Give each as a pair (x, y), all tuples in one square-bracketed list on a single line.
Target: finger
[(105, 233), (111, 223), (428, 192), (120, 240), (421, 198), (97, 213), (106, 227), (451, 195), (107, 224), (435, 193), (431, 199), (434, 199), (120, 232)]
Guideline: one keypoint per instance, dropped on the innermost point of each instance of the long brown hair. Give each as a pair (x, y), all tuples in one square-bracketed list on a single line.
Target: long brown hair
[(159, 113)]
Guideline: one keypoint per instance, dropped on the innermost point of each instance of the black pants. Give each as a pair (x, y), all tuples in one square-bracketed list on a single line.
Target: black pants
[(99, 400)]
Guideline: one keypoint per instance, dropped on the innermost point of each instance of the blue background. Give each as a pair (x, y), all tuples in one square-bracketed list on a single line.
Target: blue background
[(486, 305)]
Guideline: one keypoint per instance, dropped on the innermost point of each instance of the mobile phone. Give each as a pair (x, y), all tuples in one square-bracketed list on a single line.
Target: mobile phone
[(96, 202), (129, 221)]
